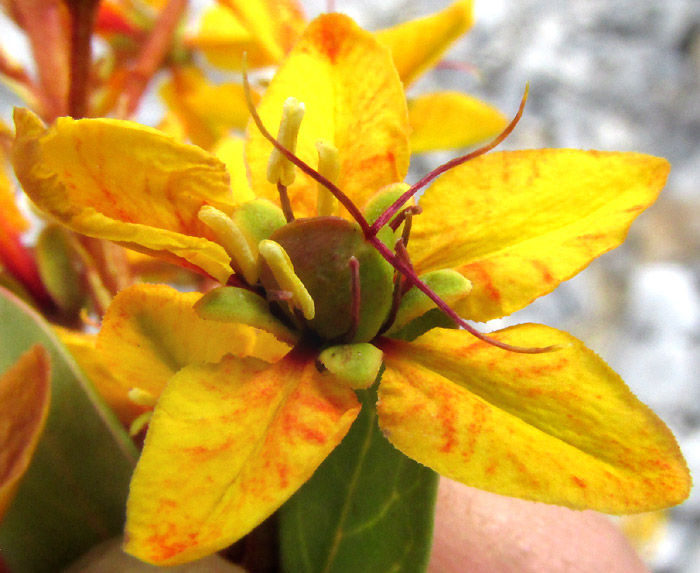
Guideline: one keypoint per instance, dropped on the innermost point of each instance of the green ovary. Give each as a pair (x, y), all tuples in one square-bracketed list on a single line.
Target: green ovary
[(320, 250)]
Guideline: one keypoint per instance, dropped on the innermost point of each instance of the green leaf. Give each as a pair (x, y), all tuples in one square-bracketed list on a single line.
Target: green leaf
[(367, 508), (74, 492)]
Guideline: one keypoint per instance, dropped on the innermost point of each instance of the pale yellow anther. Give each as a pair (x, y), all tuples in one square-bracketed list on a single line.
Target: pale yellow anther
[(329, 167), (230, 237), (142, 397), (283, 270), (279, 168)]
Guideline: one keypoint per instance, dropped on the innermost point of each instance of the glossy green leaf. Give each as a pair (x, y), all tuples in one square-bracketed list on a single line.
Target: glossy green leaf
[(74, 493), (367, 508)]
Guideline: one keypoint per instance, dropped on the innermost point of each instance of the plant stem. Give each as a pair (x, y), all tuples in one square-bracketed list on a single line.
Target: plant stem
[(82, 15)]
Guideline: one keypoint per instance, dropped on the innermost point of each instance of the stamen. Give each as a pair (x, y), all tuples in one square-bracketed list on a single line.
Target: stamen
[(396, 295), (283, 270), (328, 167), (142, 397), (405, 215), (284, 202), (232, 240), (279, 169), (391, 211), (278, 295), (304, 167), (405, 258), (408, 216), (356, 295)]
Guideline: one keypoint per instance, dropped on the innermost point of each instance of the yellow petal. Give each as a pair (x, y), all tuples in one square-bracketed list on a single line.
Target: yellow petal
[(151, 331), (227, 445), (559, 427), (516, 224), (207, 111), (448, 120), (113, 387), (25, 392), (230, 151), (354, 101), (124, 182), (419, 44), (265, 30)]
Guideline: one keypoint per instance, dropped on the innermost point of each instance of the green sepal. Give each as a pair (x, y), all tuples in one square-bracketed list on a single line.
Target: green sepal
[(449, 285), (383, 199), (378, 203), (257, 220), (74, 493), (233, 304), (354, 365), (366, 508), (60, 269), (434, 318)]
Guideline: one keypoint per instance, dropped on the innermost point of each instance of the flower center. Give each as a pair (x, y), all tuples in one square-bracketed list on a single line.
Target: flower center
[(349, 281)]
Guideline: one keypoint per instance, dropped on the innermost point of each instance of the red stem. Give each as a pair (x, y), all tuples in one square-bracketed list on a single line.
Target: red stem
[(82, 15), (154, 51), (396, 206), (411, 275)]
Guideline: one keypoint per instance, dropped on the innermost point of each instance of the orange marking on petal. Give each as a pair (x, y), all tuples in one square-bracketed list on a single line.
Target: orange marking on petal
[(544, 269), (481, 277), (579, 482), (329, 42)]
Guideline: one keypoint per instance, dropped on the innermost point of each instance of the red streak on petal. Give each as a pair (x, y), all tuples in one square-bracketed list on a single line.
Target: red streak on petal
[(591, 237), (579, 482), (544, 271), (311, 435), (481, 277), (329, 42), (163, 548), (283, 473)]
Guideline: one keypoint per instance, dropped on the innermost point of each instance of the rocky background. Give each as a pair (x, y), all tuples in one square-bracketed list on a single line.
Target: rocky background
[(613, 75)]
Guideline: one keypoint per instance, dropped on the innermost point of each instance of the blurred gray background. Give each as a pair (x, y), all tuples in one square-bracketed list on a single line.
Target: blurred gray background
[(612, 75)]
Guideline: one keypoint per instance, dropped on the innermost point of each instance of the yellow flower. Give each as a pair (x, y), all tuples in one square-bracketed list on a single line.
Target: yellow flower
[(266, 31), (232, 436)]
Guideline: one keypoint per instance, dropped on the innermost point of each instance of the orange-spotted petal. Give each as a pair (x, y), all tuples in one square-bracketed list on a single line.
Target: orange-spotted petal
[(25, 391), (354, 101), (419, 44), (227, 445), (124, 182), (264, 30), (516, 224), (559, 427), (151, 331), (448, 120), (230, 151)]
